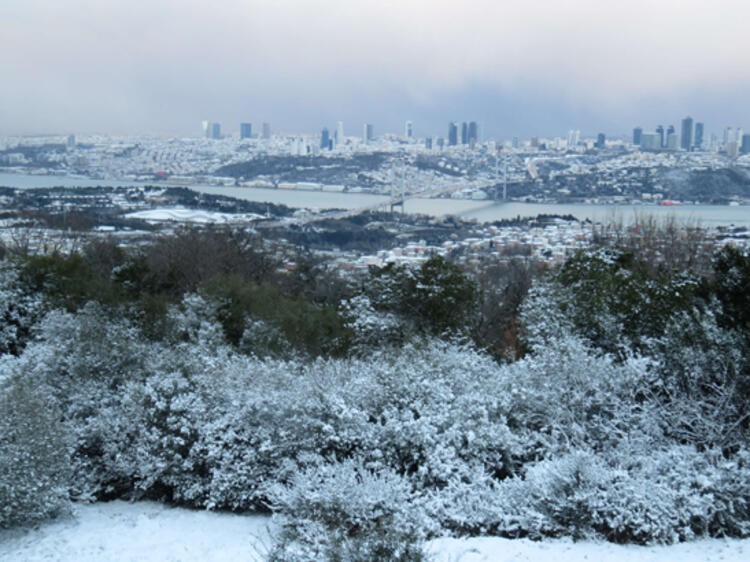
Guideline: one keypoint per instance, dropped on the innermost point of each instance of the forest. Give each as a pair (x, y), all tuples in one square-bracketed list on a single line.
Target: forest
[(607, 397)]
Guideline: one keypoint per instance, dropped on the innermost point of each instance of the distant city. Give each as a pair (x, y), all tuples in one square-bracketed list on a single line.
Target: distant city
[(659, 165), (690, 137)]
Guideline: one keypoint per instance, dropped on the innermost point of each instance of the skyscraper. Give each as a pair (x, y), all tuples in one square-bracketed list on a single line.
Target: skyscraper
[(408, 129), (266, 131), (686, 138), (473, 136), (574, 136), (698, 142), (745, 148), (601, 141), (215, 131), (452, 134), (325, 139), (368, 132), (246, 130), (339, 132), (637, 132), (728, 135), (650, 141), (673, 140), (464, 133), (662, 140)]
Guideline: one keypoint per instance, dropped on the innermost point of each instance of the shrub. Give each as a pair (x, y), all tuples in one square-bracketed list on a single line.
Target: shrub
[(344, 512), (656, 496), (34, 455)]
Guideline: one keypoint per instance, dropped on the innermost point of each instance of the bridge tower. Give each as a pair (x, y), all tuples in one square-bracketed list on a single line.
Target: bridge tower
[(397, 191), (505, 176)]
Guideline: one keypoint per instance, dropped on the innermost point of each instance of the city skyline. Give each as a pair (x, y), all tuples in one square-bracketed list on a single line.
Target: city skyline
[(115, 67)]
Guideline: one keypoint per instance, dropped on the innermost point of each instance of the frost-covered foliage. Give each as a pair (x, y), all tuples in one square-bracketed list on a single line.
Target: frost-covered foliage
[(615, 301), (601, 429), (372, 329), (34, 454), (697, 377), (19, 309), (346, 512), (662, 496)]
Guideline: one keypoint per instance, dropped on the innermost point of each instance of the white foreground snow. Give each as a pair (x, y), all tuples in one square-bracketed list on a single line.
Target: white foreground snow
[(492, 549), (140, 532), (151, 532)]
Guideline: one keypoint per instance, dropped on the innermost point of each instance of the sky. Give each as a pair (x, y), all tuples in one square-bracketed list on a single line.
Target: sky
[(536, 68)]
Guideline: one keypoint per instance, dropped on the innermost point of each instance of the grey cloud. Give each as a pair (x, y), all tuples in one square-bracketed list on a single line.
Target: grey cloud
[(166, 64)]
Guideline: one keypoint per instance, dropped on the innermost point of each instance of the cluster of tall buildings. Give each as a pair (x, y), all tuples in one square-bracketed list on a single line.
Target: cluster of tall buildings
[(691, 137), (469, 133), (329, 142), (212, 130)]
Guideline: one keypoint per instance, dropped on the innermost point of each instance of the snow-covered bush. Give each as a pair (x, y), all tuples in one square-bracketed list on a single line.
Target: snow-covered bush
[(697, 380), (19, 310), (658, 496), (34, 454), (565, 396), (371, 329), (677, 493), (345, 512)]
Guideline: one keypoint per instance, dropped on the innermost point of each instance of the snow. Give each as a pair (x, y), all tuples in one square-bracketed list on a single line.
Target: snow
[(142, 532), (493, 549), (189, 215), (151, 532)]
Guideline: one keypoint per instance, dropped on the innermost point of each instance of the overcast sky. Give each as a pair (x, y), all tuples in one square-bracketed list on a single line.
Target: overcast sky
[(520, 68)]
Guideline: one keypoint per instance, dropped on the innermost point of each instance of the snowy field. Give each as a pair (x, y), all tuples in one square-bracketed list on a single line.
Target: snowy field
[(171, 214), (151, 532)]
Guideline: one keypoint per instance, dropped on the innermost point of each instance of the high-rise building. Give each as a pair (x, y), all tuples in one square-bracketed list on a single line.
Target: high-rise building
[(686, 138), (325, 139), (698, 142), (368, 132), (637, 132), (651, 141), (515, 143), (601, 141), (246, 130), (428, 143), (408, 129), (662, 139), (673, 141), (473, 135), (574, 136), (728, 135), (215, 131), (266, 131), (452, 134), (464, 133), (339, 132), (71, 141), (745, 148)]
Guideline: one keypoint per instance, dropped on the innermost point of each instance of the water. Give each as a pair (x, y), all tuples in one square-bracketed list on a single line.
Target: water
[(483, 211)]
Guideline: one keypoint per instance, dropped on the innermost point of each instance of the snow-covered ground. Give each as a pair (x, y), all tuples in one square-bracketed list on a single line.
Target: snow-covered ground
[(191, 215), (140, 532), (151, 532)]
